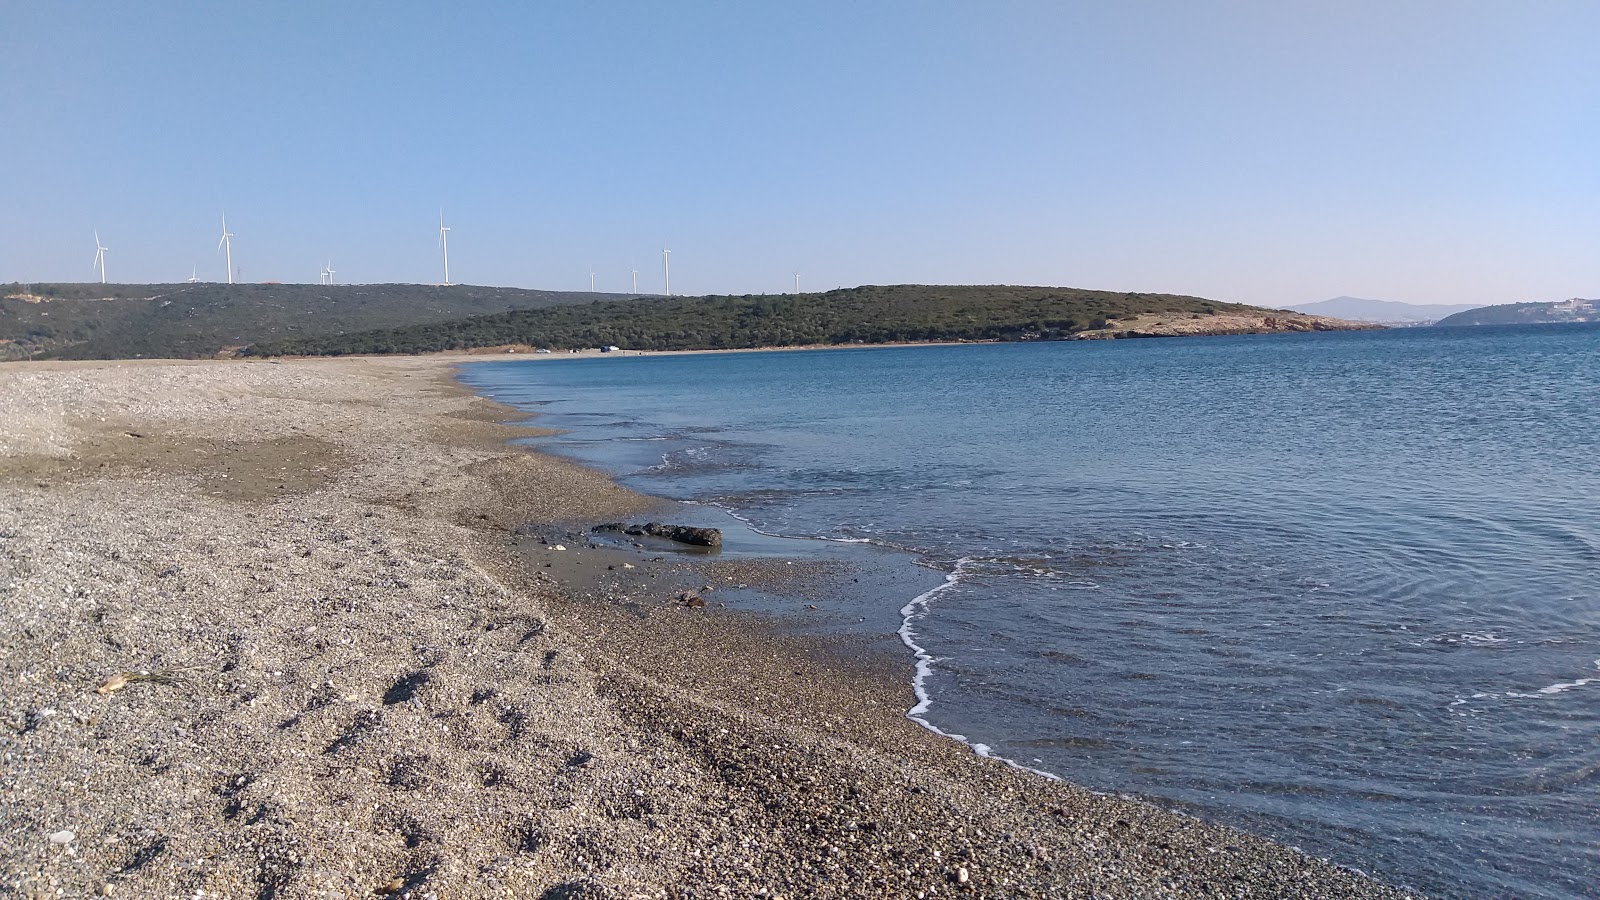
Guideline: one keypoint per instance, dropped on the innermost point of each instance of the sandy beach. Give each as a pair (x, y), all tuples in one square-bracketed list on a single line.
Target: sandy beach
[(285, 629)]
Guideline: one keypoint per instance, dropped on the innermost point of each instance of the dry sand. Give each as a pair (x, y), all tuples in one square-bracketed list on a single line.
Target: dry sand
[(350, 678)]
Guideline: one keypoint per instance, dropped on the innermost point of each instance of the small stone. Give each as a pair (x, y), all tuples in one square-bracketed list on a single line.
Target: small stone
[(961, 875), (62, 837)]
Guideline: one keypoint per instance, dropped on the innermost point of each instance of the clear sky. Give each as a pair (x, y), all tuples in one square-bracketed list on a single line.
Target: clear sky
[(1263, 152)]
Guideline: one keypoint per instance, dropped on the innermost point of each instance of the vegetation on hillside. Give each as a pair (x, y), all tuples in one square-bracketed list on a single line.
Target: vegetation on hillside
[(114, 321), (1576, 310), (869, 314)]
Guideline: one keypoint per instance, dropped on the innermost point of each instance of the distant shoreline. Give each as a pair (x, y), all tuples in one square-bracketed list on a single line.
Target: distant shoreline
[(1136, 329)]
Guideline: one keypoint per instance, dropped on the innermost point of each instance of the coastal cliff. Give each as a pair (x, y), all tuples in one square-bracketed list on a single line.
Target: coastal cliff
[(1160, 325)]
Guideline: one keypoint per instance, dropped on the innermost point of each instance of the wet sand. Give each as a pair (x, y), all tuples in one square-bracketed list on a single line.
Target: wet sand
[(354, 666)]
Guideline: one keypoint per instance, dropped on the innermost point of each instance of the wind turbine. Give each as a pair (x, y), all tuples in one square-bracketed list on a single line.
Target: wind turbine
[(227, 241), (635, 278), (328, 271), (194, 274), (99, 256), (444, 244), (666, 268), (797, 282)]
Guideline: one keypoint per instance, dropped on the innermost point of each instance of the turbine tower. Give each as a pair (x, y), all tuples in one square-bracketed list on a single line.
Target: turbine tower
[(591, 282), (99, 257), (444, 244), (635, 279), (797, 282), (227, 241), (666, 268), (194, 274), (328, 270)]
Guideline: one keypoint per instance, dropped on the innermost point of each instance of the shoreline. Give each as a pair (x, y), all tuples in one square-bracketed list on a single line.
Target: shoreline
[(1138, 328), (362, 681), (529, 352), (910, 667)]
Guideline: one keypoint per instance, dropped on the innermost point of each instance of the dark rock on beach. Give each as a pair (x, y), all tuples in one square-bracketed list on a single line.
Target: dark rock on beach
[(683, 534)]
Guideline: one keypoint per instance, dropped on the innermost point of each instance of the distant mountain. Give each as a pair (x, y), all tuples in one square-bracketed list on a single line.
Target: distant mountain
[(110, 321), (1574, 310), (1382, 312)]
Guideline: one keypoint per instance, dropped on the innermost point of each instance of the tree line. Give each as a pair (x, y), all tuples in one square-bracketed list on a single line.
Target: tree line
[(869, 314)]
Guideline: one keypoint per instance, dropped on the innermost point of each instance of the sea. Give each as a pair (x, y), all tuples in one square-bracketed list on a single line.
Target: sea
[(1341, 590)]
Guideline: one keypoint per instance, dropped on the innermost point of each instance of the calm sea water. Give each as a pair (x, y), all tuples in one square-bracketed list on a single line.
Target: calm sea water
[(1342, 590)]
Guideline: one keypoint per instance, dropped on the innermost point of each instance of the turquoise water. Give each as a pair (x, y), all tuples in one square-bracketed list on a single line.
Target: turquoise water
[(1340, 589)]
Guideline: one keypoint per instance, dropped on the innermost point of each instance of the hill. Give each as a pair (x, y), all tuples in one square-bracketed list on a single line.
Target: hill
[(113, 321), (868, 314), (1382, 312), (1574, 310)]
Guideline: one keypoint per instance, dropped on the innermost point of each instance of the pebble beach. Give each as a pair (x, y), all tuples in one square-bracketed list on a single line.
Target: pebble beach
[(297, 629)]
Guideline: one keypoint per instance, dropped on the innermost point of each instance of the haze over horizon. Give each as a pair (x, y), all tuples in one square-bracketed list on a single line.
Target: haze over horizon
[(1430, 152)]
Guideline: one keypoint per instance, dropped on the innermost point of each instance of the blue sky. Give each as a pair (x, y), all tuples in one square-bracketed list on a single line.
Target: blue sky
[(1260, 152)]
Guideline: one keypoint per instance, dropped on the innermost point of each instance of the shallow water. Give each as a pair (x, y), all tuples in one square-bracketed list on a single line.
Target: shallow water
[(1337, 589)]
